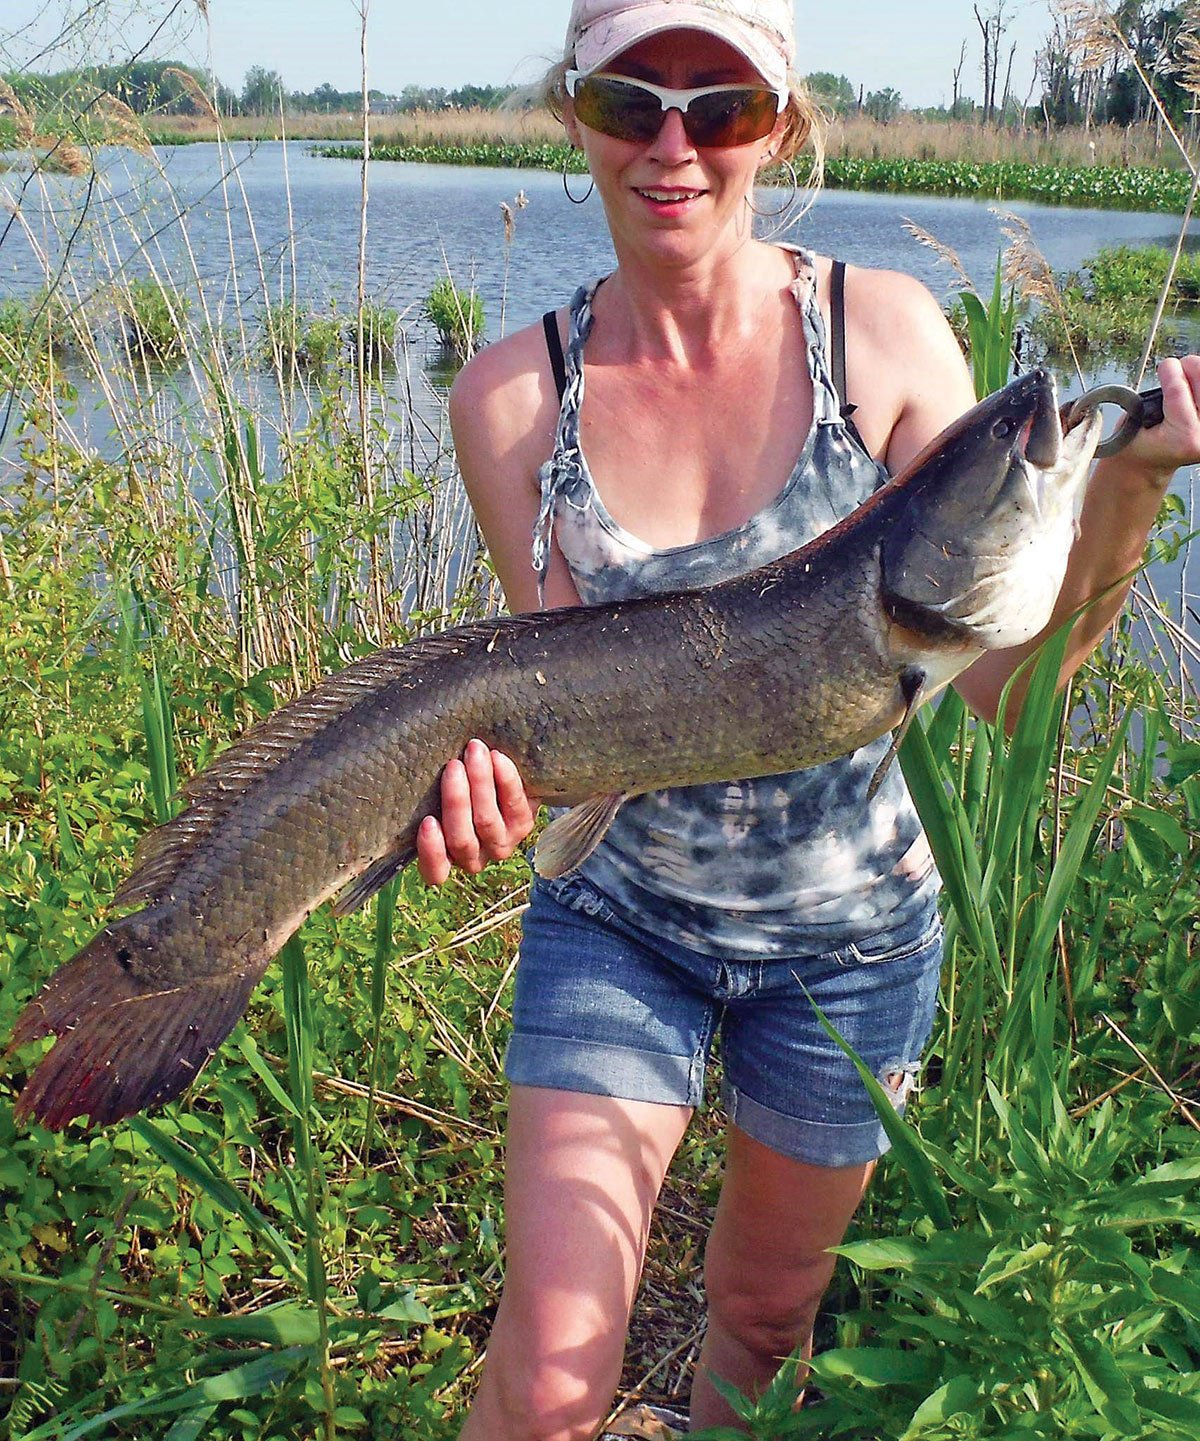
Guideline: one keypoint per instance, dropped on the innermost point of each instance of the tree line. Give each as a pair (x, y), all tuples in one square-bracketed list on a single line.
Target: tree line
[(1085, 74)]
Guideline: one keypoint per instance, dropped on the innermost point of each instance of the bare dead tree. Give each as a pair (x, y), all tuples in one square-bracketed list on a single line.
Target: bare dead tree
[(958, 70), (991, 28), (1007, 83)]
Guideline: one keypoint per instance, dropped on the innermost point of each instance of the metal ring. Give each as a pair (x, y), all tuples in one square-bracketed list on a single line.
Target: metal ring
[(1122, 395)]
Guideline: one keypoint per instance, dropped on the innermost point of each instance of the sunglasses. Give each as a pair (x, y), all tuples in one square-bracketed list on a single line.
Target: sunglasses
[(630, 109)]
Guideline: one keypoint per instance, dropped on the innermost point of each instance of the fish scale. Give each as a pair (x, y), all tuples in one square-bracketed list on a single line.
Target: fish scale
[(791, 665)]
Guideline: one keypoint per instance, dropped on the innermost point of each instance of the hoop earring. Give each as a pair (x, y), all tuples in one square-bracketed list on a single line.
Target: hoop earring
[(575, 200), (787, 204)]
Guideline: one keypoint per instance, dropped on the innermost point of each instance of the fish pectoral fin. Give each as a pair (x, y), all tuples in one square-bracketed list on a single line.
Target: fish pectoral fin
[(912, 688), (373, 879), (569, 839)]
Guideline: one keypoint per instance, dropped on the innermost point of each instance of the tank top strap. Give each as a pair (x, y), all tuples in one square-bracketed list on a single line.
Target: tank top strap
[(563, 477)]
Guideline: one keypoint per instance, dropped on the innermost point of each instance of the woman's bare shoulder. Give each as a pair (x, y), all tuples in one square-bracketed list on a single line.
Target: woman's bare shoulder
[(905, 367), (503, 415)]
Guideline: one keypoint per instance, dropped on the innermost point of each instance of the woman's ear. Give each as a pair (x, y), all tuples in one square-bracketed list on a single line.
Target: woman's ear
[(571, 125)]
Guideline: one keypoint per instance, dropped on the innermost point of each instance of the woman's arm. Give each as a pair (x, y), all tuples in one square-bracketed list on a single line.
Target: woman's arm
[(503, 413)]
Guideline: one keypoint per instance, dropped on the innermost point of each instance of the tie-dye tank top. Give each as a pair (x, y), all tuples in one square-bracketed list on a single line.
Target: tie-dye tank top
[(775, 866)]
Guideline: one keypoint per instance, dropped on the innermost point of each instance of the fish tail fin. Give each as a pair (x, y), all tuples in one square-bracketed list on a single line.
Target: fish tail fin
[(121, 1046)]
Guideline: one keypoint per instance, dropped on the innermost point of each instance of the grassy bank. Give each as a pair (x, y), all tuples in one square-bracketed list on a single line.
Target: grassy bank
[(1103, 187), (310, 1243), (908, 138)]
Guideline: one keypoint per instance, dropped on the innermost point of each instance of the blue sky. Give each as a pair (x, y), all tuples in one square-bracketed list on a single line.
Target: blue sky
[(913, 47)]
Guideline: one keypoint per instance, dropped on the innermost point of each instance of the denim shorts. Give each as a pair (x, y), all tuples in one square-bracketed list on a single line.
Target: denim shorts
[(605, 1007)]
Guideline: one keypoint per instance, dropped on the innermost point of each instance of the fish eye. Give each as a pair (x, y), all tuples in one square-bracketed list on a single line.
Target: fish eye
[(1004, 427)]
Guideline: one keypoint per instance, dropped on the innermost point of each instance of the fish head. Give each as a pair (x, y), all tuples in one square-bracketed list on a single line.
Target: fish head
[(981, 547)]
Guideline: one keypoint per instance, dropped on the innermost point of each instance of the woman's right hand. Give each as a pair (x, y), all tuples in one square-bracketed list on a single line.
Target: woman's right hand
[(486, 814)]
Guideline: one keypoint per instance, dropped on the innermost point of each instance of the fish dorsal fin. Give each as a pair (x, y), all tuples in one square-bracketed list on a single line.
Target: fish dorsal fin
[(373, 879), (569, 839), (211, 795)]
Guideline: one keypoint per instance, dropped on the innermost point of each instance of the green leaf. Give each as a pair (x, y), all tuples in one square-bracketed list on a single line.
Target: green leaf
[(237, 1384), (921, 1176), (877, 1365), (225, 1196), (1004, 1263), (960, 1395), (290, 1323), (246, 1043), (1111, 1394), (191, 1426)]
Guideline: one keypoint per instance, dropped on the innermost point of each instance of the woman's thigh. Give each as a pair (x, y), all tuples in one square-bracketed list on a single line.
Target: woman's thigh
[(582, 1175)]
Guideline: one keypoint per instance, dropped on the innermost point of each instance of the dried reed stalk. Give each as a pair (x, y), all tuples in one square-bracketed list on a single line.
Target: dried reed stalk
[(943, 251), (195, 92)]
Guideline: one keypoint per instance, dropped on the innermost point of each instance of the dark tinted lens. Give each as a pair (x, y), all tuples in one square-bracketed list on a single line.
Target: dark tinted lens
[(731, 117), (626, 112)]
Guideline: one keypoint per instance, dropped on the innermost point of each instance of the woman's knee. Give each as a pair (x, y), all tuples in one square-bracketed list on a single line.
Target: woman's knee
[(555, 1389), (768, 1311)]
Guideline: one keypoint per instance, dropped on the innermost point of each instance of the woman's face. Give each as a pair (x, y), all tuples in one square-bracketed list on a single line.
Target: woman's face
[(668, 196)]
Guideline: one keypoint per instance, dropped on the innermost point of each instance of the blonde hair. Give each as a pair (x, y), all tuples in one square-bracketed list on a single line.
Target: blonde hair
[(805, 123)]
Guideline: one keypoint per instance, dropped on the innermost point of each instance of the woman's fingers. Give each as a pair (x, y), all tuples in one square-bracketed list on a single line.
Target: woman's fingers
[(1164, 448), (485, 815)]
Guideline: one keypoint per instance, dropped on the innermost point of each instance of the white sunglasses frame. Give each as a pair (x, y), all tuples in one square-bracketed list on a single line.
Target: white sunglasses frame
[(675, 99)]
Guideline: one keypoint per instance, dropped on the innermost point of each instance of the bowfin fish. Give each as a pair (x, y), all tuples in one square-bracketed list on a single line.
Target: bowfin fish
[(789, 666)]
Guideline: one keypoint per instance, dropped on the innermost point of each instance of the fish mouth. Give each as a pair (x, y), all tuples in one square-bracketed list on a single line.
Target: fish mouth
[(1043, 433)]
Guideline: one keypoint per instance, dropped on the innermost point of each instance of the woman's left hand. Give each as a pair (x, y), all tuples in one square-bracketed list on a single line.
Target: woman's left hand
[(1157, 453)]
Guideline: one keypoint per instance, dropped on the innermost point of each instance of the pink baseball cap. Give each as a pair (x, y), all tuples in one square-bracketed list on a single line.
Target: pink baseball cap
[(761, 30)]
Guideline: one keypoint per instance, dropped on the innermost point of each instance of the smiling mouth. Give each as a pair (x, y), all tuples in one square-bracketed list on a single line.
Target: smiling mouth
[(669, 196)]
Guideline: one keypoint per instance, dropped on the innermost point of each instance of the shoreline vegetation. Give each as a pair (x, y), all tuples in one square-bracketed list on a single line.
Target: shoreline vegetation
[(1101, 187)]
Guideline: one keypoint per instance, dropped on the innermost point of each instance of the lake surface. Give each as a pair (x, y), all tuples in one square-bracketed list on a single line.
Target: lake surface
[(192, 207), (239, 222)]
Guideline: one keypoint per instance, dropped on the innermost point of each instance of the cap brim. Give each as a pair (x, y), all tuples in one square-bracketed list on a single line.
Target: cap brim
[(606, 38)]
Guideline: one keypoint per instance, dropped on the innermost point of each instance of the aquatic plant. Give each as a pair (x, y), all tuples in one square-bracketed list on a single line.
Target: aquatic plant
[(154, 319), (457, 316), (379, 331), (296, 335), (1102, 187)]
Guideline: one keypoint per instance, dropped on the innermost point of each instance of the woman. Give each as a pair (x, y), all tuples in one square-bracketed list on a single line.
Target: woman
[(694, 377)]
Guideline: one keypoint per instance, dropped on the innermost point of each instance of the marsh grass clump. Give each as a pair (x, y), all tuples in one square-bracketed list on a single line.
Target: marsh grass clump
[(33, 330), (376, 331), (1106, 305), (1122, 272), (295, 335), (457, 316), (154, 317)]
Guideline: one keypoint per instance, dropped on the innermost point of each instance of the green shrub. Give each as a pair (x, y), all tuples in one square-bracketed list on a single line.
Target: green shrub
[(380, 327), (294, 335), (155, 317), (457, 315)]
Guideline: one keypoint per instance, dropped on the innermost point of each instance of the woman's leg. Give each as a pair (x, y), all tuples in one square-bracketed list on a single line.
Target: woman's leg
[(582, 1176), (765, 1266)]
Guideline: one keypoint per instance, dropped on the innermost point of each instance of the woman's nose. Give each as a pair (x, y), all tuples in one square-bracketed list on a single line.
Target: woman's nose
[(672, 144)]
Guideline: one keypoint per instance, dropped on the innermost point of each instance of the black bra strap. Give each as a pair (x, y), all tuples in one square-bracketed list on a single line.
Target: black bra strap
[(837, 345), (554, 349)]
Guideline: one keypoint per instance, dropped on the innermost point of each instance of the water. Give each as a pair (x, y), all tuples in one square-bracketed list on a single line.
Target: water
[(290, 220), (425, 218)]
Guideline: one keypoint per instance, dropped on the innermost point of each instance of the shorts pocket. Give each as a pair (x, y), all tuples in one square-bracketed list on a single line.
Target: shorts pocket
[(895, 946), (573, 893)]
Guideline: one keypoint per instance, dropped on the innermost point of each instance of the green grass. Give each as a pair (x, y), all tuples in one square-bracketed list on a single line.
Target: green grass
[(1104, 187), (456, 315), (1106, 306)]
